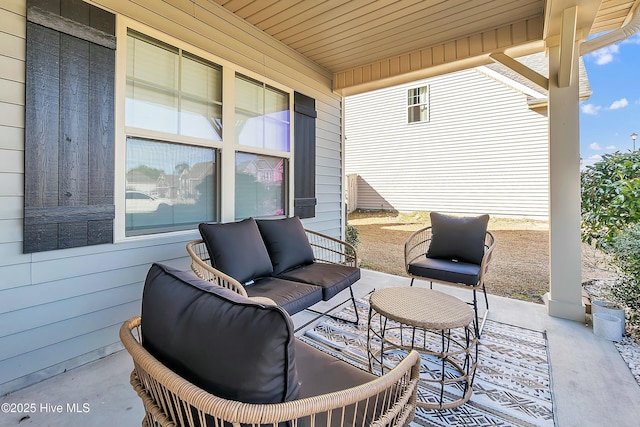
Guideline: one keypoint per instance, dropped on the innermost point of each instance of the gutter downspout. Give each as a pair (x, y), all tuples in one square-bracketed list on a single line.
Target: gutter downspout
[(623, 33)]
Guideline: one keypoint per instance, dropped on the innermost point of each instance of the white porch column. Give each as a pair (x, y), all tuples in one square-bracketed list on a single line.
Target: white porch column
[(564, 298)]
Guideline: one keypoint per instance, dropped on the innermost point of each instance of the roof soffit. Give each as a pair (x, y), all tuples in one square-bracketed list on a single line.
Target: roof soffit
[(369, 44)]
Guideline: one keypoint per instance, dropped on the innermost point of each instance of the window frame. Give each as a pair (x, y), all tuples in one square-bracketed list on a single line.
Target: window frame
[(426, 103), (182, 54), (227, 146), (287, 156), (162, 229)]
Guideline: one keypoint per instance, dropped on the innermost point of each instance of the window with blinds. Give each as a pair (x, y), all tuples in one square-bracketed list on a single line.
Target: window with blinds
[(172, 91), (262, 115), (262, 129), (173, 118)]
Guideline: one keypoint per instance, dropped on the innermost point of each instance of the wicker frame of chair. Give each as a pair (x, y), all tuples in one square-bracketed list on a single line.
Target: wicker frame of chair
[(325, 249), (170, 400), (417, 246)]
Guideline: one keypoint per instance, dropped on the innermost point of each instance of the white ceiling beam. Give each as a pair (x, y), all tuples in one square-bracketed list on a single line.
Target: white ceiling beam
[(521, 69), (567, 45)]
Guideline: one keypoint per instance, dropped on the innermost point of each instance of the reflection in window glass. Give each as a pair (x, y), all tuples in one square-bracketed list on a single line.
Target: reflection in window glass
[(261, 183), (262, 115), (172, 91), (168, 186)]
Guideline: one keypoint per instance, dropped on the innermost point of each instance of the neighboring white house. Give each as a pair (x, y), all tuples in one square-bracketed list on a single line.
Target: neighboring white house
[(186, 87), (468, 142)]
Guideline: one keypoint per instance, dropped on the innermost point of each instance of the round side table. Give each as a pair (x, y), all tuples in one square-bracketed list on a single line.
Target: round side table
[(435, 324)]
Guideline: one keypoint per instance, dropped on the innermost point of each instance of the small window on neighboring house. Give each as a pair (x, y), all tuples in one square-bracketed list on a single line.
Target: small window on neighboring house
[(418, 104)]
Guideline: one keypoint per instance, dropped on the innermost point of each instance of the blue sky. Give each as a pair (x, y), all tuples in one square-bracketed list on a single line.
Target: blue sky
[(612, 113)]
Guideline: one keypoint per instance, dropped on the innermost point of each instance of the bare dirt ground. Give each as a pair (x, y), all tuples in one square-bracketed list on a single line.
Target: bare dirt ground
[(520, 267)]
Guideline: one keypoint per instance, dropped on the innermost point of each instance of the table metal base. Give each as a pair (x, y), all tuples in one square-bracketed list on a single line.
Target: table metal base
[(449, 368)]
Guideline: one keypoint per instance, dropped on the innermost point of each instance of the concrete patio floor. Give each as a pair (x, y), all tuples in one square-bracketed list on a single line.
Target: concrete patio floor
[(591, 384)]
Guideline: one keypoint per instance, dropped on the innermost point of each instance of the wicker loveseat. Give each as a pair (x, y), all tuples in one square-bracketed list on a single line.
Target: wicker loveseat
[(206, 356), (277, 259)]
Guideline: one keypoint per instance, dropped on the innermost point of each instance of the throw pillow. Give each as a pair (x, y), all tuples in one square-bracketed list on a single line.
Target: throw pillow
[(286, 243), (459, 238), (237, 249)]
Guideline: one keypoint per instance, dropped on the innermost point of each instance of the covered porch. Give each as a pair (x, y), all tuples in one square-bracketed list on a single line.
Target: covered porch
[(590, 383), (369, 46), (329, 51)]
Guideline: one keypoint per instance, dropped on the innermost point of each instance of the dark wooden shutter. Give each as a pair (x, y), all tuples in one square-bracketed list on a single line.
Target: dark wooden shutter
[(69, 125), (304, 156)]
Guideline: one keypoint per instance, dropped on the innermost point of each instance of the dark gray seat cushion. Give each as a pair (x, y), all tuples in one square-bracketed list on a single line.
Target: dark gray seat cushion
[(286, 242), (332, 278), (237, 249), (290, 295), (224, 343), (321, 373), (460, 238), (446, 270)]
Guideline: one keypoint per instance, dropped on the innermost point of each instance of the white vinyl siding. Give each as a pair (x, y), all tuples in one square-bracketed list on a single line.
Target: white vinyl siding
[(61, 309), (482, 151)]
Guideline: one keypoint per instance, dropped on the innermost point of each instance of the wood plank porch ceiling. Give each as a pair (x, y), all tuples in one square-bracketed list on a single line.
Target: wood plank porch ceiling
[(367, 44)]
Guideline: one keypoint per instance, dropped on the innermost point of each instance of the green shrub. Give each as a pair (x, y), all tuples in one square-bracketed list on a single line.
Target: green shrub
[(351, 236), (611, 219), (610, 197), (625, 252)]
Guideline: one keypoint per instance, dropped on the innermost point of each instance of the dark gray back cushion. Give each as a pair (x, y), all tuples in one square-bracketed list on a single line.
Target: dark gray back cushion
[(237, 249), (459, 238), (286, 243), (222, 342)]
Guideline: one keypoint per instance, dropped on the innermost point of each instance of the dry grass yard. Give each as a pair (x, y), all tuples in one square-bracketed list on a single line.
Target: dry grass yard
[(520, 267)]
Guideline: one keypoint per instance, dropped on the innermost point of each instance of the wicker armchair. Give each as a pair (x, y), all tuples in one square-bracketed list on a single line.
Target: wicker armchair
[(417, 245), (170, 400)]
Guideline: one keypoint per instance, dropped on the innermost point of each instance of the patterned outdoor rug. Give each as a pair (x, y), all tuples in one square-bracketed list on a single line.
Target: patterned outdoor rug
[(511, 386)]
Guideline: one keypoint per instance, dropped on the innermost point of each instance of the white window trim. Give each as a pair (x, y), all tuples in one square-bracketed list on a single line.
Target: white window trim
[(227, 146), (427, 103)]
